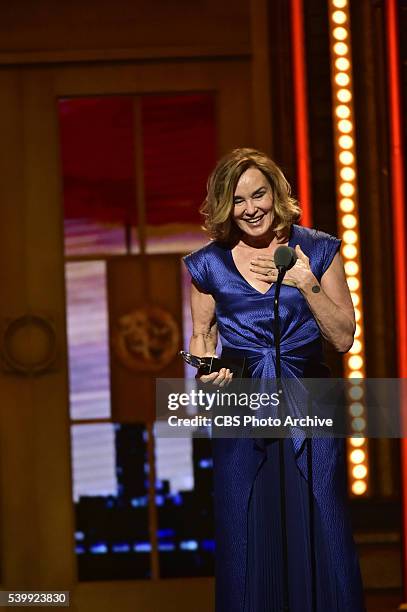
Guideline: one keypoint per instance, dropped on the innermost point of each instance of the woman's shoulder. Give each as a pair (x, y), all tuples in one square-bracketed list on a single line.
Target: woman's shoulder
[(209, 249), (319, 246), (202, 260)]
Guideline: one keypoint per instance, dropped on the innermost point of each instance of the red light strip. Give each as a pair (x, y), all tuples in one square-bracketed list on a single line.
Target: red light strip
[(398, 198), (397, 181), (301, 111)]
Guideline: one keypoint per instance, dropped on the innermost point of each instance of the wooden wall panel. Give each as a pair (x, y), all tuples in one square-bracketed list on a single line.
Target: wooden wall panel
[(174, 595), (36, 514), (45, 30), (139, 287)]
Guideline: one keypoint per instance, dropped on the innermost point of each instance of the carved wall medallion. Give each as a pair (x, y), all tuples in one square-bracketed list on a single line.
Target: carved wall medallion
[(28, 345), (146, 339)]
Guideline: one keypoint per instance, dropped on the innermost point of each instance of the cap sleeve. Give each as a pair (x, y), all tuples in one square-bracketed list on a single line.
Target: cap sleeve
[(198, 269), (331, 248)]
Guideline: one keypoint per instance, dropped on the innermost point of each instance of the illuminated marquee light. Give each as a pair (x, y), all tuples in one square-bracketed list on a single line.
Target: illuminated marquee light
[(348, 217)]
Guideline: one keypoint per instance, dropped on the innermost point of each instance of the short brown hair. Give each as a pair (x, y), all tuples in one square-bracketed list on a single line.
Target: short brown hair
[(218, 205)]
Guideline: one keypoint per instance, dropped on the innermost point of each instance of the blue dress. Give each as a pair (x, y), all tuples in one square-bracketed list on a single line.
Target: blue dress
[(249, 575)]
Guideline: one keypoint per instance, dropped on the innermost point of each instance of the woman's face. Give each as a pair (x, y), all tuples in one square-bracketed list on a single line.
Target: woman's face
[(253, 203)]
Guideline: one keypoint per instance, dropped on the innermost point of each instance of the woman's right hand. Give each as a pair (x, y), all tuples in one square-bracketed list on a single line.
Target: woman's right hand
[(221, 378)]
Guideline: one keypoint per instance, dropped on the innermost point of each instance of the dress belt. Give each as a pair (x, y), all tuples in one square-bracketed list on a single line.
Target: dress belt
[(305, 358)]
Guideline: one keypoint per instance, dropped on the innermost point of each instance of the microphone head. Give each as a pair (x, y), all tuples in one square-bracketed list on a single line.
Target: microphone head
[(284, 257)]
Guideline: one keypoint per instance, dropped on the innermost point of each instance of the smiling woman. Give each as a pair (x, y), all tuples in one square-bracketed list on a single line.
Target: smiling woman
[(253, 208), (248, 213), (246, 176)]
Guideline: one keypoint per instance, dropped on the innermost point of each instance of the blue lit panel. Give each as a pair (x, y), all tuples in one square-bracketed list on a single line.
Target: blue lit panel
[(185, 514), (93, 461), (88, 341), (111, 503)]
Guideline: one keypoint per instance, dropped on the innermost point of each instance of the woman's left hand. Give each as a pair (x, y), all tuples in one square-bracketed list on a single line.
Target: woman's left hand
[(300, 275)]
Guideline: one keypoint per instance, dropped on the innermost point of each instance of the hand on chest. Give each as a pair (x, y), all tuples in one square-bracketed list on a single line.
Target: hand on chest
[(244, 264), (256, 267)]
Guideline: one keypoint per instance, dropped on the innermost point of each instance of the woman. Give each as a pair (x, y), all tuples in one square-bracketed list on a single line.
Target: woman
[(248, 214)]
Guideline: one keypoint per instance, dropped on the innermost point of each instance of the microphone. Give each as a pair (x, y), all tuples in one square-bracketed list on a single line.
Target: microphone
[(284, 258)]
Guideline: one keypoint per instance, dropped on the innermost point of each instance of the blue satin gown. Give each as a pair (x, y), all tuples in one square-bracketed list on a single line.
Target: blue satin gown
[(249, 568)]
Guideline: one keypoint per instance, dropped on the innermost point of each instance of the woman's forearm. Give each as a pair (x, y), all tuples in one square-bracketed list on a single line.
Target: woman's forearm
[(204, 326), (336, 326), (203, 345)]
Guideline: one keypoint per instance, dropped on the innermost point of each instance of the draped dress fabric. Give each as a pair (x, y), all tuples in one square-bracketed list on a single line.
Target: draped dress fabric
[(246, 471)]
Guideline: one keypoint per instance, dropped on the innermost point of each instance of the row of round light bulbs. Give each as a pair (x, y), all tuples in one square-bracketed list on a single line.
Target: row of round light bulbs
[(358, 454), (350, 250)]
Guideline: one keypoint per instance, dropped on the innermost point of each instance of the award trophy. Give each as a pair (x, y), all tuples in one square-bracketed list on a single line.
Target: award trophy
[(207, 365)]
